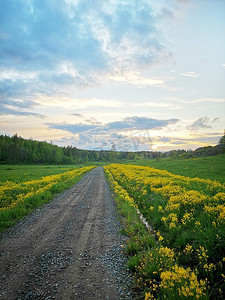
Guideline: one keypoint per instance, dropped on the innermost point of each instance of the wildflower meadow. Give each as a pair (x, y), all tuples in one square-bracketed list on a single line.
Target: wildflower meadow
[(181, 254)]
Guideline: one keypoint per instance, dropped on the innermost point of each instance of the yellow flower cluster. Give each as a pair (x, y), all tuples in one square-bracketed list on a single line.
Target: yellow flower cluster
[(209, 267), (188, 198), (153, 263), (149, 296), (13, 193), (188, 249), (217, 212), (121, 192), (202, 255), (175, 280), (188, 217), (160, 238), (171, 220), (184, 281)]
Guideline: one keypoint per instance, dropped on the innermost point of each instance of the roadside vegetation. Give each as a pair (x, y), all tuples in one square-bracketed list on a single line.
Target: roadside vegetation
[(182, 256), (23, 188)]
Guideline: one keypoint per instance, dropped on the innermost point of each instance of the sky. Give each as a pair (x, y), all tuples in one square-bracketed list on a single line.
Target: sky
[(130, 75)]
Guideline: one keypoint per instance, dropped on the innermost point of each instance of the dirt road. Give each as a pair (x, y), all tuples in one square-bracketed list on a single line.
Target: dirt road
[(69, 249)]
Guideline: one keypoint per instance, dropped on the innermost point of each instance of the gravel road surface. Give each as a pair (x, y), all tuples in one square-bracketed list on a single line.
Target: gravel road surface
[(68, 249)]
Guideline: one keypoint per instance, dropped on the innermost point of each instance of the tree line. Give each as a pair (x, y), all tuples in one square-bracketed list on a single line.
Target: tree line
[(15, 149)]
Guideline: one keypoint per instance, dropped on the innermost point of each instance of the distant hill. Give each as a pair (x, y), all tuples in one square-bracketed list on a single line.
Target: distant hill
[(209, 150)]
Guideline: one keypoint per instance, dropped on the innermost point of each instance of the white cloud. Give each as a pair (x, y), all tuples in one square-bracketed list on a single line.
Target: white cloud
[(134, 78), (157, 104), (190, 74), (202, 123), (14, 74), (76, 103), (197, 100)]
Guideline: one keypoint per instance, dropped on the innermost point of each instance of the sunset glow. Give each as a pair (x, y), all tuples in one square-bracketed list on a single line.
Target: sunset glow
[(140, 75)]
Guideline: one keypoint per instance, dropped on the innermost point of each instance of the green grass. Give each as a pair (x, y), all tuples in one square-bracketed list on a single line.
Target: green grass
[(21, 173), (210, 167)]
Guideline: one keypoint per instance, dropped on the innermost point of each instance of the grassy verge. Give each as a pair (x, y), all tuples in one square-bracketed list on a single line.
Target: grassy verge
[(139, 239), (19, 199), (185, 259), (210, 167)]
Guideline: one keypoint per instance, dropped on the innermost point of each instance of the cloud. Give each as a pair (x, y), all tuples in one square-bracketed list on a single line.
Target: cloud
[(161, 104), (13, 89), (190, 74), (54, 46), (14, 108), (77, 115), (18, 103), (134, 123), (92, 121), (134, 78), (73, 128), (198, 100), (104, 141), (80, 103), (215, 120), (202, 123), (139, 123), (18, 107), (183, 2), (40, 34), (13, 74), (102, 136), (130, 35)]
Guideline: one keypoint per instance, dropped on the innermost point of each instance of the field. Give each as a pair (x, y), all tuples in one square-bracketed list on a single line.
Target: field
[(23, 188), (21, 173), (178, 252), (182, 255), (209, 167)]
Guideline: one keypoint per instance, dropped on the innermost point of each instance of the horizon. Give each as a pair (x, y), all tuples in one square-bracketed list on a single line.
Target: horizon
[(135, 75), (113, 147)]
